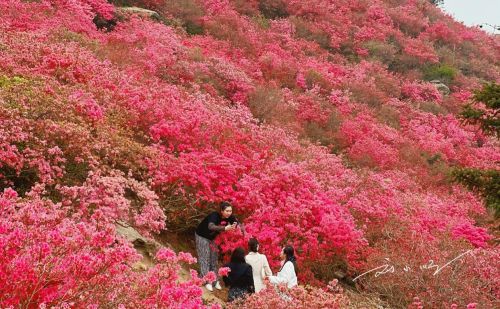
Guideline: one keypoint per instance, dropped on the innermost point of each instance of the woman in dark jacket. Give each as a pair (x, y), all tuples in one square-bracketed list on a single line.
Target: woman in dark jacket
[(240, 278), (207, 230)]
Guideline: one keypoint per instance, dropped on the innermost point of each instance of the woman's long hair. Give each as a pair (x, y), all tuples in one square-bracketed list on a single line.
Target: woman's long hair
[(238, 256), (253, 245), (290, 257)]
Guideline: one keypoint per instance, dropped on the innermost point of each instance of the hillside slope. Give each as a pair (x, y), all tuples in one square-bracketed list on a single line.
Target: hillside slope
[(330, 125)]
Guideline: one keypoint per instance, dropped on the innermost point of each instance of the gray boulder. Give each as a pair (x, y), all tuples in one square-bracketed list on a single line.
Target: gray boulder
[(138, 11), (146, 246), (441, 87)]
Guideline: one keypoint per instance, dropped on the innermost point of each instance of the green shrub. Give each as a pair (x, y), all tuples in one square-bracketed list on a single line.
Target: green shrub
[(488, 122), (193, 28), (485, 182), (6, 82), (442, 72)]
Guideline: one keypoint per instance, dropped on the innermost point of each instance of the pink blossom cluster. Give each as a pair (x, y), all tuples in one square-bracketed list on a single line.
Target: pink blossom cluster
[(330, 296), (51, 259)]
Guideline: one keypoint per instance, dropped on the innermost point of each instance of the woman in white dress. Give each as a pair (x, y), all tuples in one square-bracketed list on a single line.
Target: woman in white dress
[(288, 271), (260, 266)]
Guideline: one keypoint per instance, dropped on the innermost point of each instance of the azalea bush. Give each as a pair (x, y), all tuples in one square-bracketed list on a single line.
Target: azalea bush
[(54, 257), (301, 297), (423, 272)]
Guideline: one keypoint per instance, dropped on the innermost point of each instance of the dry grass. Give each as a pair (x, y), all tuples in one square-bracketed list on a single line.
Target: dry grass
[(365, 300)]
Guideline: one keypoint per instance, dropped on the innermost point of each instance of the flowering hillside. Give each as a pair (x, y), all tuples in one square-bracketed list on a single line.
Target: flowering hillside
[(330, 125)]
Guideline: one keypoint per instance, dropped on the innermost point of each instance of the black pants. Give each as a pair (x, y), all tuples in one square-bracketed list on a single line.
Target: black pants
[(236, 293)]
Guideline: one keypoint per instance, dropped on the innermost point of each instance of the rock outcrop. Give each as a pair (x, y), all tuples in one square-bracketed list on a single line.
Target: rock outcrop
[(121, 11), (145, 246), (441, 87)]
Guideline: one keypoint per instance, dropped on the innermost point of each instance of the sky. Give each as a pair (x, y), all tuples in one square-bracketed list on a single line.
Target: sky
[(475, 12)]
